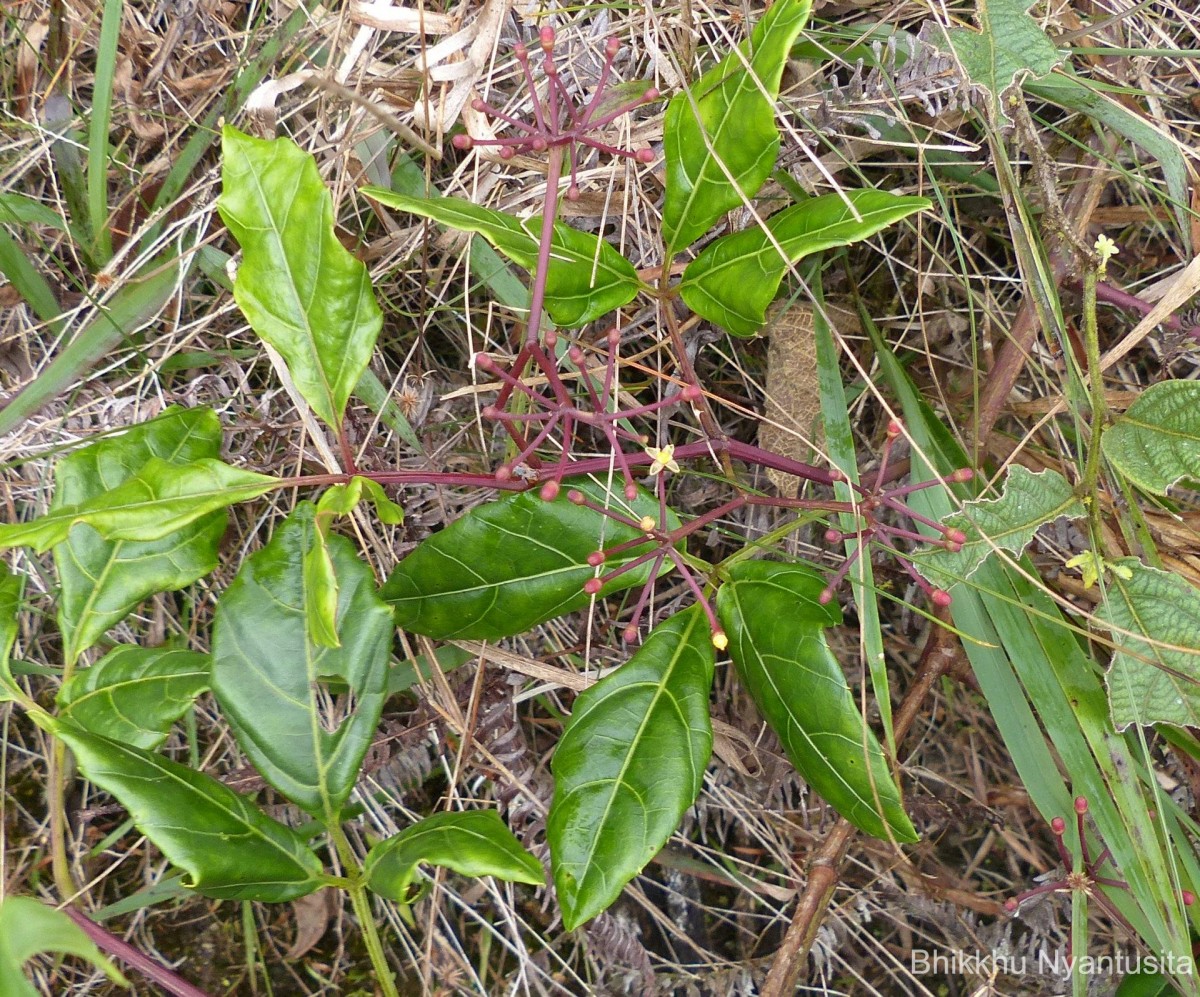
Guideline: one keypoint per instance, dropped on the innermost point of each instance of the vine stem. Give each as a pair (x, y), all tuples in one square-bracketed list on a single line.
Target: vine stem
[(1091, 338)]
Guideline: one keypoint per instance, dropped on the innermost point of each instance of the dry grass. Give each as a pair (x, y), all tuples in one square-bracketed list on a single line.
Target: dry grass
[(710, 912)]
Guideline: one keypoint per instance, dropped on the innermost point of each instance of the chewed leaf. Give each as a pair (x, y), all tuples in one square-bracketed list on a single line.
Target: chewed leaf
[(135, 694), (511, 564), (299, 288), (1029, 500), (734, 280), (720, 136), (774, 620), (1156, 442), (630, 762), (586, 278), (267, 671), (470, 842), (1157, 679)]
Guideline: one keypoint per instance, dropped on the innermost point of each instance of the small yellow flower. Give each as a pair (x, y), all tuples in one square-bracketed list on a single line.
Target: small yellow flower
[(648, 523), (664, 458), (1106, 249), (1091, 565), (720, 641)]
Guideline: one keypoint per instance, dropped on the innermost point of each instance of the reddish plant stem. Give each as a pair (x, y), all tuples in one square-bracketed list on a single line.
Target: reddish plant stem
[(537, 296)]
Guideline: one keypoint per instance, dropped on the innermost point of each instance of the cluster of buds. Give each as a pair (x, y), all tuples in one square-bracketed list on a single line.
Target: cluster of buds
[(558, 122)]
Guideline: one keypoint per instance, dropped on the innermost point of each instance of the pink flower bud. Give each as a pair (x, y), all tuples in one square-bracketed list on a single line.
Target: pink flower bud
[(826, 596), (691, 393), (1058, 826), (612, 47), (595, 558), (507, 152), (593, 586), (956, 537), (1011, 905), (940, 598), (546, 36), (1188, 898), (629, 635), (463, 142), (549, 491), (832, 536), (1081, 805), (894, 429), (652, 93), (961, 475), (631, 491), (504, 473), (576, 497), (479, 104), (645, 156)]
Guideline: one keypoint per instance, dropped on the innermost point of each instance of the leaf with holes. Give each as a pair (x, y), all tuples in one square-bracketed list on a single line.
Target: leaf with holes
[(470, 842), (300, 290), (1008, 48), (1149, 683), (630, 762), (134, 694), (586, 278), (1156, 442), (720, 138), (102, 581), (28, 927), (774, 622), (735, 278), (229, 848), (1008, 523), (160, 499), (511, 564), (269, 676)]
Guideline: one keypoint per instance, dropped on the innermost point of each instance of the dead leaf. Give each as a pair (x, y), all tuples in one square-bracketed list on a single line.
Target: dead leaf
[(312, 915), (791, 425)]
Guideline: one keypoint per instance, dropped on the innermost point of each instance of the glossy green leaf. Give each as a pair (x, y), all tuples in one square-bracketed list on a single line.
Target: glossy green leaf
[(160, 499), (320, 593), (774, 623), (511, 564), (720, 138), (134, 694), (1009, 47), (28, 927), (267, 675), (229, 848), (735, 279), (1156, 442), (341, 500), (587, 278), (1149, 683), (11, 587), (470, 842), (102, 581), (299, 288), (1008, 523), (630, 762)]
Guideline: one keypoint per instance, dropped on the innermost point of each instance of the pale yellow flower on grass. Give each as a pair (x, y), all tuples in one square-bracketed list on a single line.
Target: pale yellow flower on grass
[(663, 459)]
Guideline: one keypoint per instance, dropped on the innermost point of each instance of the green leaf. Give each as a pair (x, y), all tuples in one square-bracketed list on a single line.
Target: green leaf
[(470, 842), (229, 848), (734, 280), (267, 675), (514, 563), (1009, 522), (403, 675), (301, 291), (28, 927), (341, 500), (587, 278), (102, 581), (1147, 682), (134, 694), (630, 762), (11, 587), (160, 499), (1008, 48), (1156, 443), (774, 623), (720, 137)]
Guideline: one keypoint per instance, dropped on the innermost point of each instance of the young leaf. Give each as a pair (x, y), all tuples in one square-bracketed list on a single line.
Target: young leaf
[(28, 927), (514, 563), (300, 290), (720, 137), (630, 762), (1009, 522), (587, 278), (1149, 683), (470, 842), (101, 581), (160, 499), (773, 620), (736, 277), (229, 848), (134, 694), (1156, 443), (341, 500), (267, 675), (1008, 47)]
